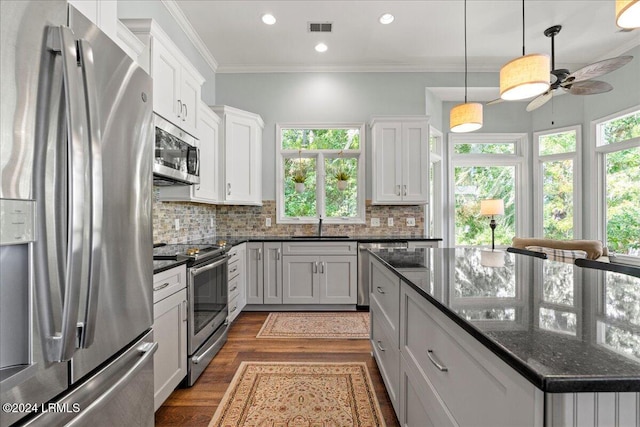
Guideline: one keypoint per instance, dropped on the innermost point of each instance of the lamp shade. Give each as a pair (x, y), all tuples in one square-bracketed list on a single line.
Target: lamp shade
[(465, 117), (628, 13), (525, 77), (492, 207)]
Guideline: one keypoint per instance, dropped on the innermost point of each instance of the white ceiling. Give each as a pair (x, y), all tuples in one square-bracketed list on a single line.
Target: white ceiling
[(426, 35)]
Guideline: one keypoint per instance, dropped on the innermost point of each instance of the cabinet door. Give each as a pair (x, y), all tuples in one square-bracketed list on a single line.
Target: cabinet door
[(255, 273), (208, 189), (170, 332), (190, 97), (300, 280), (165, 70), (387, 154), (273, 273), (242, 160), (338, 282), (415, 162)]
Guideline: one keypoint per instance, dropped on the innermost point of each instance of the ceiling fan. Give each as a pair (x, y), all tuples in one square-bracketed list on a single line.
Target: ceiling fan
[(579, 82)]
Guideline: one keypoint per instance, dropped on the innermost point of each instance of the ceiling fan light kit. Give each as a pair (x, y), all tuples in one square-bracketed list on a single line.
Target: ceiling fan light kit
[(628, 13), (465, 117)]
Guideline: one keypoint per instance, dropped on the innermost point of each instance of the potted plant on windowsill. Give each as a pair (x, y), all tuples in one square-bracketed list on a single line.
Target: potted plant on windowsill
[(342, 179), (299, 179)]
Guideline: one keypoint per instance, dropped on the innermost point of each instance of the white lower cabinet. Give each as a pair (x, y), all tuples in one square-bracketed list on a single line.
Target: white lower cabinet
[(264, 273), (237, 295), (387, 354), (169, 331), (470, 384)]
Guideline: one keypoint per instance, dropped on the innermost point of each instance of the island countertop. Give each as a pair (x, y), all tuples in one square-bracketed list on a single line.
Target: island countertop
[(564, 328)]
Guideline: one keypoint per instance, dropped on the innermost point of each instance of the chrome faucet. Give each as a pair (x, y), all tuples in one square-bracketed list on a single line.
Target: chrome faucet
[(320, 227)]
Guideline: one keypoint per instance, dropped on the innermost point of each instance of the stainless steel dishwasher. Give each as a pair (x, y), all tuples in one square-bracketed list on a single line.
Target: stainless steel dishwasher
[(363, 268)]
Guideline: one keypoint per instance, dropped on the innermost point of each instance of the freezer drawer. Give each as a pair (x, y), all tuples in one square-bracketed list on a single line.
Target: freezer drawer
[(120, 393)]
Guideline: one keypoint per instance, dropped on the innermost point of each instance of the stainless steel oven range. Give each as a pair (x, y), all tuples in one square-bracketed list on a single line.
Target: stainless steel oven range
[(207, 295)]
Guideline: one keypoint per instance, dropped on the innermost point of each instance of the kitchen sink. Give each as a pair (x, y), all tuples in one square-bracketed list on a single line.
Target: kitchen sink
[(319, 237)]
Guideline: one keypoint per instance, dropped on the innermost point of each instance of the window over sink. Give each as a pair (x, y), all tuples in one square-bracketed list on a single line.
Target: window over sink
[(320, 173)]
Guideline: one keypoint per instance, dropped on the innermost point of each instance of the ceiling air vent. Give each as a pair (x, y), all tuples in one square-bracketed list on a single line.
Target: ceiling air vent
[(320, 27)]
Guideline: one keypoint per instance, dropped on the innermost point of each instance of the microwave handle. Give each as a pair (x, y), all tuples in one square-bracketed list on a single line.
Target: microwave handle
[(190, 152)]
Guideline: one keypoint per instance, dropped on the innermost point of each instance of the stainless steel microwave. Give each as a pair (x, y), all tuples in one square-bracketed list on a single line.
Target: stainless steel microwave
[(177, 156)]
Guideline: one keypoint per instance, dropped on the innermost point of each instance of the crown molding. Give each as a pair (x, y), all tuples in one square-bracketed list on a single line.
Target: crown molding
[(365, 68), (177, 13)]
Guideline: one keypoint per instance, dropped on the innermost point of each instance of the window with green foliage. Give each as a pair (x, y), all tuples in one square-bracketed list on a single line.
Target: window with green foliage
[(485, 166), (321, 173), (618, 150), (557, 202)]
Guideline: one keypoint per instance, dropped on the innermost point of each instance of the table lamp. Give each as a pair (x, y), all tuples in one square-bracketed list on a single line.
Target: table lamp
[(492, 207)]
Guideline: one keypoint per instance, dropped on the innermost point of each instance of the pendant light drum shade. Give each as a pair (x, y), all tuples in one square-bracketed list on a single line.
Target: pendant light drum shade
[(525, 77), (628, 13), (465, 117)]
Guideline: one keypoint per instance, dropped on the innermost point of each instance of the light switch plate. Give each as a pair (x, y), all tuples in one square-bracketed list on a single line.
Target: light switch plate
[(267, 222), (177, 223), (390, 222), (375, 222), (411, 222)]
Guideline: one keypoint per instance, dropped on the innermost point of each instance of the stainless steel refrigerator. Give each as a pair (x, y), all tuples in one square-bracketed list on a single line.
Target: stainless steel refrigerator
[(76, 344)]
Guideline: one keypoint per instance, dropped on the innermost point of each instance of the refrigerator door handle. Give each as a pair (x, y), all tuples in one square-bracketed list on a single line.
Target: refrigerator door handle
[(95, 167), (61, 345)]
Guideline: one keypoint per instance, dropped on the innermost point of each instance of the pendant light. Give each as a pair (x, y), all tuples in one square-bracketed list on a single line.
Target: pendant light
[(628, 13), (524, 77), (465, 117)]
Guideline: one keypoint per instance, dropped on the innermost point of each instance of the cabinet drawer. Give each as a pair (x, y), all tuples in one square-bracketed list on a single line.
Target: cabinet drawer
[(319, 248), (169, 282), (233, 268), (420, 405), (234, 287), (385, 292), (475, 386), (234, 308), (387, 356)]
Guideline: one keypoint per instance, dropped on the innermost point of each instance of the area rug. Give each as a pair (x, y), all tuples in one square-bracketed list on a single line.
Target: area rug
[(316, 325), (287, 394)]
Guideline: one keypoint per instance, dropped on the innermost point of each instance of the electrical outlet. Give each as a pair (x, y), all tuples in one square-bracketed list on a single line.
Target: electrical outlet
[(411, 222), (211, 222), (375, 222), (177, 222), (267, 222), (390, 222)]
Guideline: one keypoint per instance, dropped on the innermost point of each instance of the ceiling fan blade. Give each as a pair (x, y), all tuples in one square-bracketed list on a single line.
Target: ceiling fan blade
[(539, 101), (495, 101), (598, 68), (588, 87)]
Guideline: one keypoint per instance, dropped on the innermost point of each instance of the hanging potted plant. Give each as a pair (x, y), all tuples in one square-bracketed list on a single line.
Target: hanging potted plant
[(299, 177), (341, 176), (342, 179)]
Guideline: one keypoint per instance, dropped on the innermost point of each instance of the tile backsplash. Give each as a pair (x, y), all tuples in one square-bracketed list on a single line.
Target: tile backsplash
[(199, 221)]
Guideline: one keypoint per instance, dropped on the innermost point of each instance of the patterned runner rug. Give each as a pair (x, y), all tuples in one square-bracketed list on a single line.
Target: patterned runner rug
[(316, 325), (293, 394)]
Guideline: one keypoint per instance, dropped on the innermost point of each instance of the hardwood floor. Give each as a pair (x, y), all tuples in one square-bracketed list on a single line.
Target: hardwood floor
[(195, 406)]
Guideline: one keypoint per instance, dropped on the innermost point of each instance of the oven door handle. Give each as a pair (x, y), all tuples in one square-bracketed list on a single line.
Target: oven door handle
[(197, 270)]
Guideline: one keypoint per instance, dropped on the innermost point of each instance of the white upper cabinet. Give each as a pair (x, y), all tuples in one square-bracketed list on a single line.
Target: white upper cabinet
[(241, 142), (177, 85), (103, 13), (400, 160), (208, 191)]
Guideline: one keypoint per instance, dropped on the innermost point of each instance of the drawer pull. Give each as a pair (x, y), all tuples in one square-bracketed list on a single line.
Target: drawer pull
[(435, 362), (378, 343), (380, 291), (164, 285), (233, 289), (234, 308), (234, 269)]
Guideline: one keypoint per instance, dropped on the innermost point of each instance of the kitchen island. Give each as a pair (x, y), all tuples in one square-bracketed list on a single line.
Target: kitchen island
[(554, 343)]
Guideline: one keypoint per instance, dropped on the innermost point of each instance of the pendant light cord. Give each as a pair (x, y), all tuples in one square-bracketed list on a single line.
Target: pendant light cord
[(522, 27), (465, 51)]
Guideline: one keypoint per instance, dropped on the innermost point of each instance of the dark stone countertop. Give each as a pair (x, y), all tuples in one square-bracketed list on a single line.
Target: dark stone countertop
[(564, 328), (236, 240), (160, 266)]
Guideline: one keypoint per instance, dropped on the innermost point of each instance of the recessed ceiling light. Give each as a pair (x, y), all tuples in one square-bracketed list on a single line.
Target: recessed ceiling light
[(321, 47), (268, 19), (387, 18)]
